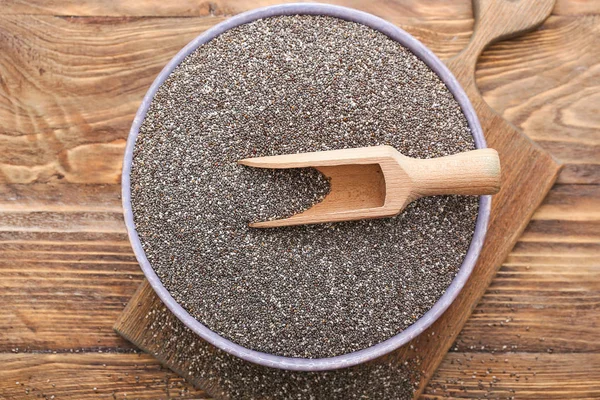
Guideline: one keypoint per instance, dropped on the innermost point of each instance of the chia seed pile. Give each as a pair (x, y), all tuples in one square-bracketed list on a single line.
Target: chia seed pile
[(278, 86), (224, 376)]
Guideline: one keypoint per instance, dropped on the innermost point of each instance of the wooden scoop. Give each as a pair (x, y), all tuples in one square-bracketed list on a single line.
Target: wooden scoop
[(378, 182)]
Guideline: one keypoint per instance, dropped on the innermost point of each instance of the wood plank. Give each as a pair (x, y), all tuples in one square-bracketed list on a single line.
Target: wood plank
[(516, 376), (576, 7), (548, 84), (66, 267), (68, 253), (461, 375), (140, 376), (89, 376), (70, 87), (538, 308), (547, 293), (438, 9), (567, 203), (53, 136), (412, 8), (58, 305), (567, 265), (571, 203), (60, 198)]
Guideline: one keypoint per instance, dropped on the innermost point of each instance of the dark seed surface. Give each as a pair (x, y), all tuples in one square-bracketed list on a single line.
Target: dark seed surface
[(225, 376), (284, 85)]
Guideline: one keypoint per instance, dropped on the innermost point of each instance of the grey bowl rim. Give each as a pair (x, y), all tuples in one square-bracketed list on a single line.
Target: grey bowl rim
[(344, 360)]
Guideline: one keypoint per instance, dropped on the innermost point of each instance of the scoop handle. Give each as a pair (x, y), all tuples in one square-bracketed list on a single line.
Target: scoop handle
[(474, 172)]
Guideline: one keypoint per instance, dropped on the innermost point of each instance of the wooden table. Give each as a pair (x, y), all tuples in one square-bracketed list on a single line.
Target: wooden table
[(71, 78)]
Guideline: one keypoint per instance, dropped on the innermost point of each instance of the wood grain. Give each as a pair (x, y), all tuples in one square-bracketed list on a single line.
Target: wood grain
[(68, 254), (552, 308), (461, 375), (66, 267), (57, 305), (576, 7), (555, 99), (547, 293), (439, 9), (516, 375), (409, 8), (69, 88), (89, 376)]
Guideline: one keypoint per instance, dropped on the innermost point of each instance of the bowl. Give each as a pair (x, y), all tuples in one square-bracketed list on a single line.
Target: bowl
[(357, 357)]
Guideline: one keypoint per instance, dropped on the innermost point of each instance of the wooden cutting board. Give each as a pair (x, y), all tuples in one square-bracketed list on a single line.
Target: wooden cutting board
[(528, 172)]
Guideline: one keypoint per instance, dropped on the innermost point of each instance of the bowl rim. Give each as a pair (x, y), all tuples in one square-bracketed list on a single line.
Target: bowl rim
[(344, 360)]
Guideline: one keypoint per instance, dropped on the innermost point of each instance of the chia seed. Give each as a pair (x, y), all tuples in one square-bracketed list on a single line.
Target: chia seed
[(284, 85), (224, 376)]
